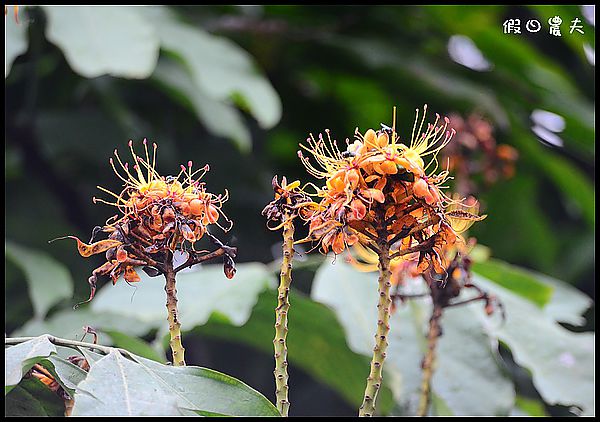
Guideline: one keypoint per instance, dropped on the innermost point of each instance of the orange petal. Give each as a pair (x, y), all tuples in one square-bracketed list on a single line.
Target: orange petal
[(351, 239), (389, 167), (375, 194), (370, 139), (196, 207), (188, 234), (336, 184), (420, 188), (359, 210), (383, 140), (130, 275), (352, 178), (380, 183), (86, 250), (338, 244), (377, 168), (121, 254), (213, 214)]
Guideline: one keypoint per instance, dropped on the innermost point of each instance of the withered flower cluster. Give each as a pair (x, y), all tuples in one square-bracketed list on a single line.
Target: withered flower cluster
[(159, 215), (475, 154), (290, 201)]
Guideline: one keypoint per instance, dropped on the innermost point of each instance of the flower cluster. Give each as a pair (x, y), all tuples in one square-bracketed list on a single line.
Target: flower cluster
[(159, 215), (379, 193), (475, 152)]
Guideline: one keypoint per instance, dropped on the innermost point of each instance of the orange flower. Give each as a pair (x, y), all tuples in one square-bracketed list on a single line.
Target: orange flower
[(377, 190), (159, 216)]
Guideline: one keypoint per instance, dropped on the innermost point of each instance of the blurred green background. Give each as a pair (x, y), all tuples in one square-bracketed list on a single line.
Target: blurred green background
[(239, 87)]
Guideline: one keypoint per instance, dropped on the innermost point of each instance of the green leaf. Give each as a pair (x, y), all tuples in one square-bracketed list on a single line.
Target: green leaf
[(575, 186), (69, 324), (16, 40), (567, 303), (219, 117), (116, 385), (32, 398), (561, 362), (528, 407), (515, 279), (219, 67), (20, 358), (134, 345), (316, 343), (532, 239), (468, 379), (48, 280), (561, 301), (200, 293), (104, 40)]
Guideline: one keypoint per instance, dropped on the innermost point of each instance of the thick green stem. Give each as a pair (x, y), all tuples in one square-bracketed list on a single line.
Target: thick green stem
[(383, 328), (429, 359), (281, 312), (173, 318)]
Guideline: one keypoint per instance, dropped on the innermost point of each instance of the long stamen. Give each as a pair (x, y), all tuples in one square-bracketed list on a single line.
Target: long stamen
[(136, 167), (147, 157), (125, 167), (412, 138), (110, 160), (394, 128), (119, 197)]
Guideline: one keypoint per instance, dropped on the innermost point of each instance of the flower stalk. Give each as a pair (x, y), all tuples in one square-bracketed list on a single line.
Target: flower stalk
[(290, 202), (283, 306), (177, 349), (429, 359), (383, 328)]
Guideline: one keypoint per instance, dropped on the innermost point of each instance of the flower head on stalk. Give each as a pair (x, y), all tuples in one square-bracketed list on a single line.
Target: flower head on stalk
[(158, 216), (290, 202), (381, 185)]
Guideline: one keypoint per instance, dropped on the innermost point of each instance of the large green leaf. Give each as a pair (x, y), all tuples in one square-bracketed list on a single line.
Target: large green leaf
[(560, 301), (103, 40), (316, 343), (567, 303), (561, 362), (116, 385), (468, 379), (221, 69), (16, 40), (20, 358), (219, 117), (48, 280), (517, 280), (200, 293), (576, 188), (532, 238)]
